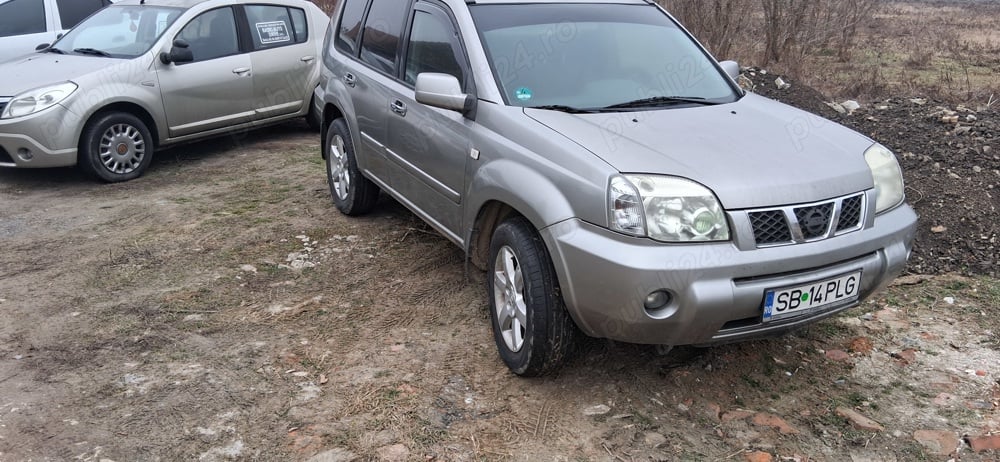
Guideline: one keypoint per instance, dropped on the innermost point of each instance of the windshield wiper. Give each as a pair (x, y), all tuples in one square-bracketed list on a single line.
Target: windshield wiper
[(662, 101), (91, 51), (562, 108), (53, 50)]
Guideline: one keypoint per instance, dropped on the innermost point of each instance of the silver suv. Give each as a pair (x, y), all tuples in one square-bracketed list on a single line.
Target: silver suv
[(606, 171)]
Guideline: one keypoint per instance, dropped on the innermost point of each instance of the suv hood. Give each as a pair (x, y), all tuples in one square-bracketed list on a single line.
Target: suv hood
[(752, 153), (39, 69)]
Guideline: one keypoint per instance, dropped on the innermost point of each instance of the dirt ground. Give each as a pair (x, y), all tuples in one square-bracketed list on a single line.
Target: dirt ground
[(219, 308)]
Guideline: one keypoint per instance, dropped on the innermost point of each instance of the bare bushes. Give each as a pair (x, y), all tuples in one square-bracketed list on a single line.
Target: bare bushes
[(782, 31)]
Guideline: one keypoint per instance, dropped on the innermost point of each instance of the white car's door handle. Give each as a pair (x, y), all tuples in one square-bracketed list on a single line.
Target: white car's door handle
[(307, 59), (241, 70)]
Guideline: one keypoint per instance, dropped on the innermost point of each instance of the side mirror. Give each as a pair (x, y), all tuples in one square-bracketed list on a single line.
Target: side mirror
[(443, 91), (180, 53), (42, 47), (732, 68)]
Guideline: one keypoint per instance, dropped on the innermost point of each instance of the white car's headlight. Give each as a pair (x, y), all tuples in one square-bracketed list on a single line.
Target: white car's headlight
[(665, 208), (889, 190), (36, 100)]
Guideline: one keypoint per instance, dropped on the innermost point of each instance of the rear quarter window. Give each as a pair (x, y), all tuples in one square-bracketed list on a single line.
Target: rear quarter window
[(349, 32)]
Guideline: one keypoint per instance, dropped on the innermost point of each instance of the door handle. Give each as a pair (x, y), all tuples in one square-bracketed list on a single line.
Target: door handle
[(398, 107), (307, 59), (241, 70), (350, 80)]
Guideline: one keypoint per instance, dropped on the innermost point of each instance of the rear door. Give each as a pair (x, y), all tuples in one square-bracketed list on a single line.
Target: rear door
[(24, 24), (374, 47), (283, 59), (216, 90)]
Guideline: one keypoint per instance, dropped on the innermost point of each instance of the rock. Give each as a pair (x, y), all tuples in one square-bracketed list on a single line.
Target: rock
[(987, 149), (919, 101), (393, 453), (945, 400), (838, 355), (713, 411), (937, 442), (977, 169), (906, 357), (781, 84), (984, 443), (949, 119), (861, 345), (859, 421), (599, 409), (758, 456), (248, 269), (954, 176), (949, 300), (762, 419), (850, 106), (939, 229), (738, 414), (971, 118), (837, 107), (654, 440), (334, 455)]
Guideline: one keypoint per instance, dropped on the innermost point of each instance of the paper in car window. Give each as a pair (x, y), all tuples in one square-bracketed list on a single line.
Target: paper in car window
[(273, 32)]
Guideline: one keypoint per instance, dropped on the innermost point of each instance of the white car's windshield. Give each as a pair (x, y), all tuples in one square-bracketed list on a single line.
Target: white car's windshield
[(118, 31), (580, 56)]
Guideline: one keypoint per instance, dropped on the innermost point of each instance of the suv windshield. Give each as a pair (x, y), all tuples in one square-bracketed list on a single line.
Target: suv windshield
[(581, 57), (118, 31)]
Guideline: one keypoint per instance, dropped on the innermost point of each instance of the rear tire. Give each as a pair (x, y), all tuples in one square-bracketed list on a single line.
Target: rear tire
[(353, 194), (115, 147), (531, 327)]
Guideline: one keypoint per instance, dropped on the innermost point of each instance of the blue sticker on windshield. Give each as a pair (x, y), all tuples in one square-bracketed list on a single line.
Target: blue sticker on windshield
[(523, 94)]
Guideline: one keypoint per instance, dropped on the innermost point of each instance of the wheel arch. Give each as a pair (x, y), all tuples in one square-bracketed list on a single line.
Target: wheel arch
[(128, 108), (331, 112), (505, 188)]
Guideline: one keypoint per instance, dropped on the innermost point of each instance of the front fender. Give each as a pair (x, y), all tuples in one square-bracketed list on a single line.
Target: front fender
[(525, 190)]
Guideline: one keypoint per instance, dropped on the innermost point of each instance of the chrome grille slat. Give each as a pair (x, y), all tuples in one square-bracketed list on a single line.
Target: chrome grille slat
[(801, 223)]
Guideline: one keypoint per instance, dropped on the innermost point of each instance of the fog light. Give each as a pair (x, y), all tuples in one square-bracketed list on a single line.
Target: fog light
[(25, 154), (657, 300)]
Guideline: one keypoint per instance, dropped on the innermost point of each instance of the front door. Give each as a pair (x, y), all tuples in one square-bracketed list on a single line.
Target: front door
[(215, 91), (429, 145)]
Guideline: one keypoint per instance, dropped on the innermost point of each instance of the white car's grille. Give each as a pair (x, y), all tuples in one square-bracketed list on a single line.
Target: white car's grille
[(808, 222)]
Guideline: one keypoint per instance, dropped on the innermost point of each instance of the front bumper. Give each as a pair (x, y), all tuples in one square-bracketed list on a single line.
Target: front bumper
[(46, 139), (717, 289)]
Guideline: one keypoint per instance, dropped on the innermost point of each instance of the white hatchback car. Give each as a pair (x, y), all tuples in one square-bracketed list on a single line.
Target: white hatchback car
[(26, 24)]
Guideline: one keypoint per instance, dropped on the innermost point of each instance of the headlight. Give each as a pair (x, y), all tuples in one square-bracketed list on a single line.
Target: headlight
[(888, 177), (36, 100), (667, 209)]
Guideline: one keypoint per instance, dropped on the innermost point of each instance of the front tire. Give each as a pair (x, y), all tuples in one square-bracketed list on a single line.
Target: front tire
[(353, 194), (115, 147), (531, 327)]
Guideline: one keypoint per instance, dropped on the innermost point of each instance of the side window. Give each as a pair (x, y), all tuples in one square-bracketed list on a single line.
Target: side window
[(380, 42), (275, 26), (71, 12), (20, 17), (350, 26), (212, 34), (434, 47)]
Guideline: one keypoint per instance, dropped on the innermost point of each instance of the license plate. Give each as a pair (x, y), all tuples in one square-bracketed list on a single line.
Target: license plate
[(799, 300)]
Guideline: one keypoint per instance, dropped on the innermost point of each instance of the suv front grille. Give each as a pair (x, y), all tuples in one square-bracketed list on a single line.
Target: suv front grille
[(770, 227), (808, 222)]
